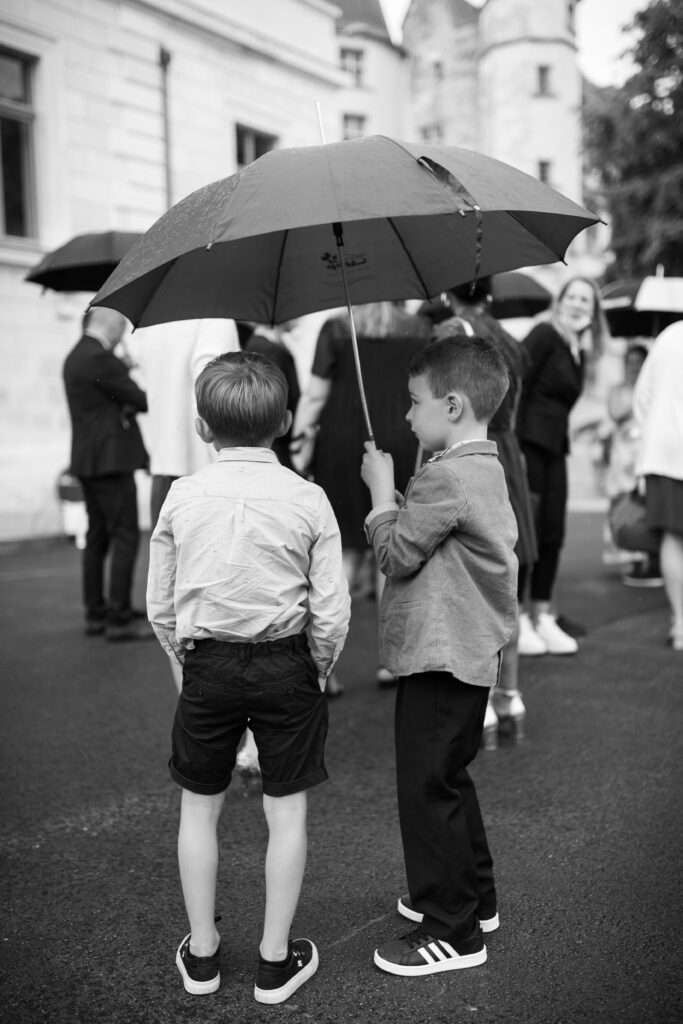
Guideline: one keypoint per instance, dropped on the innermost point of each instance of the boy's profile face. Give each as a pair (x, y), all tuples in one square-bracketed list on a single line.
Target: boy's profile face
[(430, 418)]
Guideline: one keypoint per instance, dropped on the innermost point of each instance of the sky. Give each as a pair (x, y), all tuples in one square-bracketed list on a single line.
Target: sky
[(598, 29)]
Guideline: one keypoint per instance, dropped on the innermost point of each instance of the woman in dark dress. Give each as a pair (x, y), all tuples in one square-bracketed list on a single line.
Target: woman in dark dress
[(268, 342), (329, 429)]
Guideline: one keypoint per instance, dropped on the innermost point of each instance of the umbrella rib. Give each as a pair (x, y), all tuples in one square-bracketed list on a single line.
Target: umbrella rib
[(410, 258), (277, 276)]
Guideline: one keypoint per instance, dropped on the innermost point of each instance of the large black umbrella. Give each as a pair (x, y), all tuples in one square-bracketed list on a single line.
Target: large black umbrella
[(642, 307), (84, 263), (337, 224)]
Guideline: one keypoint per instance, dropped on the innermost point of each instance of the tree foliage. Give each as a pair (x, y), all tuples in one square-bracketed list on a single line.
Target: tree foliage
[(634, 146)]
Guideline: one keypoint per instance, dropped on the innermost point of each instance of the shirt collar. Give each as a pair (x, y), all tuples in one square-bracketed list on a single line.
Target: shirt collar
[(477, 447), (246, 453)]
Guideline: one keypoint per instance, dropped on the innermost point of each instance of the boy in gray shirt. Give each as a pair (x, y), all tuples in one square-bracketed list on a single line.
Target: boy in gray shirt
[(449, 608)]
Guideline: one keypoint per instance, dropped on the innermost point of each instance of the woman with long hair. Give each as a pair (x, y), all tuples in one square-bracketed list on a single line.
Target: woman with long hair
[(556, 352)]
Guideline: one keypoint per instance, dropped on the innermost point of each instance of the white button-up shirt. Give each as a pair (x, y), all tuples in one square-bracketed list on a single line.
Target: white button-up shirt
[(246, 550)]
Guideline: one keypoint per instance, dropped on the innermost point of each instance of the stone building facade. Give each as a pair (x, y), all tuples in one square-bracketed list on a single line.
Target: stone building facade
[(112, 109)]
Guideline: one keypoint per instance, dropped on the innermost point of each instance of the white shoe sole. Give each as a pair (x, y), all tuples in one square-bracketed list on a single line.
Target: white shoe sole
[(195, 988), (456, 963), (489, 924), (278, 995)]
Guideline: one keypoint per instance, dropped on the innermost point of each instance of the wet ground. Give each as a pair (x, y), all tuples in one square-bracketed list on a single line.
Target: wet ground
[(584, 820)]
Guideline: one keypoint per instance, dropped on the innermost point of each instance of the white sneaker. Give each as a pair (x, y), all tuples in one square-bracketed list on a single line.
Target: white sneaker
[(555, 639), (528, 641), (489, 736), (508, 705)]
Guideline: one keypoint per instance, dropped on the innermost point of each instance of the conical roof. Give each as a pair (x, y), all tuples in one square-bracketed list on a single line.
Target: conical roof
[(366, 13)]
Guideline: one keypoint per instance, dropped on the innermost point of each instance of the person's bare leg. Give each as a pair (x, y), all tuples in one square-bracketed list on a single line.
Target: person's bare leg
[(509, 670), (285, 864), (671, 564), (198, 863)]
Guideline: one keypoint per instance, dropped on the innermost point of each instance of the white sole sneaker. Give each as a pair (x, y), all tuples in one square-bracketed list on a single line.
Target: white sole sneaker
[(271, 996), (554, 638), (529, 643), (438, 956), (195, 988)]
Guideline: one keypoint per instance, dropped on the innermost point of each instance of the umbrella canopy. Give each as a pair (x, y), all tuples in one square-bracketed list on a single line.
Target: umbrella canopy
[(643, 306), (84, 263), (517, 294), (324, 226)]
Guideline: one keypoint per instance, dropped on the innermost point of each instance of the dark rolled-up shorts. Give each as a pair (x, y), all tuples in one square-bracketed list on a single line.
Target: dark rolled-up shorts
[(273, 688)]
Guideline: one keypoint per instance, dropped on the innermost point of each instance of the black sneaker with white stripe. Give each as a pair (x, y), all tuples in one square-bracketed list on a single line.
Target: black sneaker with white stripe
[(490, 923), (201, 974), (276, 982), (418, 953)]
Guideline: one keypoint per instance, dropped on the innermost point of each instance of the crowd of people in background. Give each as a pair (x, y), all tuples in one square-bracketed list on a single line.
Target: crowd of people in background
[(532, 431)]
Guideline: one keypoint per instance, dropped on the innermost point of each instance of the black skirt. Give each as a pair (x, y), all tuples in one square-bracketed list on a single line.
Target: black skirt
[(664, 499)]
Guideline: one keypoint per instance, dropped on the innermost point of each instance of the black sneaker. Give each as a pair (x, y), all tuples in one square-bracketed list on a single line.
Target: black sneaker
[(418, 953), (277, 982), (201, 974), (490, 923), (643, 575)]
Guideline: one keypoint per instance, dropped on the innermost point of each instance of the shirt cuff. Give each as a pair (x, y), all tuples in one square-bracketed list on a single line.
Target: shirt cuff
[(381, 513)]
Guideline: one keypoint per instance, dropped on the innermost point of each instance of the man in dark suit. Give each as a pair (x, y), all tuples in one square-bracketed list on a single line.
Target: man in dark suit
[(106, 449)]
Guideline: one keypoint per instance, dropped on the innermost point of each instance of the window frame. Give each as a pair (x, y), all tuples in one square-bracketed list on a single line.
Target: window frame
[(357, 67), (253, 135), (23, 113), (362, 121)]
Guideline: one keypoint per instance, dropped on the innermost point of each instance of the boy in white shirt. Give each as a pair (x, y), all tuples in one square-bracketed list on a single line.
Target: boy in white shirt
[(247, 591)]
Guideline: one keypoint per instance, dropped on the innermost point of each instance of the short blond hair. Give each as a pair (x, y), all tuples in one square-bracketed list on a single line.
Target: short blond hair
[(242, 397)]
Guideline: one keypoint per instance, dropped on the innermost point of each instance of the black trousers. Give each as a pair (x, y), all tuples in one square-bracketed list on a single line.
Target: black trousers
[(448, 865), (112, 507), (161, 485), (547, 475)]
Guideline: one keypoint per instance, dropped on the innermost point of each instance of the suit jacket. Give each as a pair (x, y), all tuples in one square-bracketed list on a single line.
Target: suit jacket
[(103, 400), (552, 383)]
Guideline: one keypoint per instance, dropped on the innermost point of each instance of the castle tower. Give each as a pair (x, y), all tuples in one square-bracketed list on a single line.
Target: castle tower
[(530, 89)]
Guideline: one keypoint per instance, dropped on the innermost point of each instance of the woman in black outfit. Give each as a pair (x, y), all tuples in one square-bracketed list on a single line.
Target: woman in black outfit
[(553, 380)]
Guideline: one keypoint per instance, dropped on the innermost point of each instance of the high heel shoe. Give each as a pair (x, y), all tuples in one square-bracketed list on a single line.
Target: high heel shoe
[(511, 712), (489, 735)]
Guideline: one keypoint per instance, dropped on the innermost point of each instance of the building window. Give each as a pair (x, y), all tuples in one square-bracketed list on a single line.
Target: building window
[(16, 139), (353, 126), (432, 132), (352, 61), (544, 167), (252, 144), (571, 11), (543, 80)]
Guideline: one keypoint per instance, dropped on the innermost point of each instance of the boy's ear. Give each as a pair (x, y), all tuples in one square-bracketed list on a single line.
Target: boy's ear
[(204, 430), (286, 424), (456, 405)]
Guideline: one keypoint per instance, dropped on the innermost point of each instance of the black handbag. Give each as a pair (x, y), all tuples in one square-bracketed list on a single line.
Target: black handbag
[(628, 524)]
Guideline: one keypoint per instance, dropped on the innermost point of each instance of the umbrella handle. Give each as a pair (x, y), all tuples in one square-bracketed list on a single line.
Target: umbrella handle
[(339, 238)]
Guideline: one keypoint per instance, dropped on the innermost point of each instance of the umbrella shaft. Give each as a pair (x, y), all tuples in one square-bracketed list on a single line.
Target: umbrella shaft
[(339, 238)]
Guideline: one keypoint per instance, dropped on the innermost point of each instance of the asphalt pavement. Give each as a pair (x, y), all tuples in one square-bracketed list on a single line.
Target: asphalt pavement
[(584, 819)]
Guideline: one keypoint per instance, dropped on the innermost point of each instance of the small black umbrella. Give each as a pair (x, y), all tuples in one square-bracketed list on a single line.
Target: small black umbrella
[(515, 293), (84, 263), (642, 307)]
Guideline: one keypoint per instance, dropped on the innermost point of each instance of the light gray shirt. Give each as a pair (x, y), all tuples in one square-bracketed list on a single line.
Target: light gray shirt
[(246, 550), (450, 603)]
